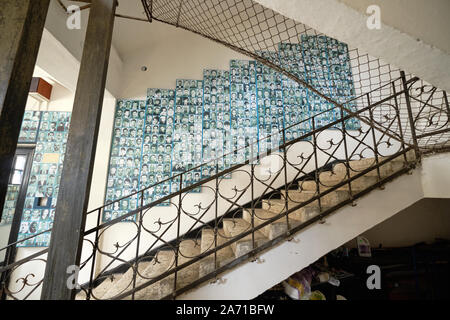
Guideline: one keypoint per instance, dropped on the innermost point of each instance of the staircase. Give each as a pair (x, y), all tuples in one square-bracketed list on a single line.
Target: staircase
[(307, 193), (303, 207)]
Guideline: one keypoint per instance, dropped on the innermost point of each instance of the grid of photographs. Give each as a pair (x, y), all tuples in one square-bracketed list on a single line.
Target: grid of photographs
[(323, 75), (315, 57), (9, 207), (216, 120), (125, 160), (201, 120), (291, 58), (30, 125), (187, 136), (341, 77), (244, 112), (43, 186), (158, 144), (295, 97), (270, 107), (296, 109)]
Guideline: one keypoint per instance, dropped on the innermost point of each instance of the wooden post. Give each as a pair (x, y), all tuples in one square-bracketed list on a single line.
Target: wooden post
[(21, 25), (66, 238)]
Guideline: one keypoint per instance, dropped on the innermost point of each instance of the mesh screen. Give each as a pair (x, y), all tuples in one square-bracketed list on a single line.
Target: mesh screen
[(280, 43)]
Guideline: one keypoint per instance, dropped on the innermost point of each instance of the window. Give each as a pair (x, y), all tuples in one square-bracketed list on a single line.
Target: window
[(18, 169)]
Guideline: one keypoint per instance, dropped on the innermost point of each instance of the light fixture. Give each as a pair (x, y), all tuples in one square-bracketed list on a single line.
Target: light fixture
[(144, 68)]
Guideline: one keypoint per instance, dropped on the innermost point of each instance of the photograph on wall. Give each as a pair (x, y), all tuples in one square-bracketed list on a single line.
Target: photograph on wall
[(187, 136), (270, 107), (9, 207), (244, 111), (30, 126), (125, 161), (45, 176), (297, 109), (320, 54), (157, 149), (341, 77), (177, 129), (216, 121)]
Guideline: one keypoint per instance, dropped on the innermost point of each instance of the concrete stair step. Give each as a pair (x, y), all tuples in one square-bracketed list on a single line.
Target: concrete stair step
[(188, 250), (410, 156), (327, 200), (163, 261), (303, 214), (99, 291), (340, 170), (236, 226), (224, 255), (272, 230), (328, 182), (126, 281)]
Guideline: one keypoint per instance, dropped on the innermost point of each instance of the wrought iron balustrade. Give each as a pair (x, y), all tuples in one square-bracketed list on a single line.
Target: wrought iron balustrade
[(392, 132), (411, 116)]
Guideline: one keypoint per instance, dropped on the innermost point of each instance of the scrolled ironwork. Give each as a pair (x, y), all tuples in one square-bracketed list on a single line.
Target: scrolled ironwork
[(168, 250)]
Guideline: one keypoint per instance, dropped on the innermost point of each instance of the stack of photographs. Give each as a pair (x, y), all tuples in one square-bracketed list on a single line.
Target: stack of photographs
[(216, 121), (9, 207), (244, 112), (187, 138), (30, 125), (43, 186), (125, 161), (158, 144), (270, 106)]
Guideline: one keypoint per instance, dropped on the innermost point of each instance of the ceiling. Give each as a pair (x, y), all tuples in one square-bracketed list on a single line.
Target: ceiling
[(129, 35)]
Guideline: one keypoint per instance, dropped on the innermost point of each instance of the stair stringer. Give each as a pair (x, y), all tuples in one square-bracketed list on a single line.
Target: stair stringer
[(250, 279)]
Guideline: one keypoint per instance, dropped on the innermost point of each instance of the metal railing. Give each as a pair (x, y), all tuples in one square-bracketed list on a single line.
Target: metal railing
[(394, 132), (411, 116)]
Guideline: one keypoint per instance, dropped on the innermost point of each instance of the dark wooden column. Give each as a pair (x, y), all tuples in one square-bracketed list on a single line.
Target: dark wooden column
[(66, 238), (21, 26)]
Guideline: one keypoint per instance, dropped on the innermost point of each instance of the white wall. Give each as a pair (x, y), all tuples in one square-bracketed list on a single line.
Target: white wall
[(180, 55), (436, 182), (72, 42), (424, 221)]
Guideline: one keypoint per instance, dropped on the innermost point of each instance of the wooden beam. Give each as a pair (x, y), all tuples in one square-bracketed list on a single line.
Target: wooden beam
[(68, 227), (21, 23)]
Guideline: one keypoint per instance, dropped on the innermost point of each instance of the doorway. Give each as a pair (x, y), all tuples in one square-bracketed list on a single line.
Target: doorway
[(11, 215)]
